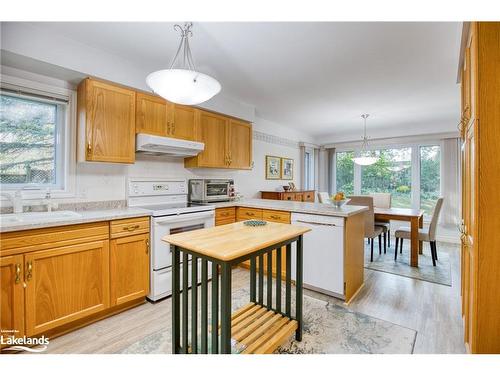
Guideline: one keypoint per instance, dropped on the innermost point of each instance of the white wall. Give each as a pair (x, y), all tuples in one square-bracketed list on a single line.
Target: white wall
[(97, 181)]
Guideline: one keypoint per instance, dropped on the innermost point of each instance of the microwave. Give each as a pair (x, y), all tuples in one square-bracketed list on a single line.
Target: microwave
[(211, 190)]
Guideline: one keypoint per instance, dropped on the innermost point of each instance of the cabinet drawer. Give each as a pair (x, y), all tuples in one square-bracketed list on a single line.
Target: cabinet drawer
[(224, 221), (288, 196), (225, 213), (24, 241), (298, 197), (308, 196), (244, 213), (126, 227), (276, 216)]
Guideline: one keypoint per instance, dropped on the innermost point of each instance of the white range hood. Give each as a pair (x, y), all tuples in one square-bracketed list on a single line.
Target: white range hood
[(154, 144)]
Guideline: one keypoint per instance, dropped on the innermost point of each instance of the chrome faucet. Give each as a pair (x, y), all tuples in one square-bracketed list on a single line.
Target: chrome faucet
[(48, 201), (16, 199)]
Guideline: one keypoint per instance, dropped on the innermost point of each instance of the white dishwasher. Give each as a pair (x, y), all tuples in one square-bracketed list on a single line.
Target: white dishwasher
[(323, 253)]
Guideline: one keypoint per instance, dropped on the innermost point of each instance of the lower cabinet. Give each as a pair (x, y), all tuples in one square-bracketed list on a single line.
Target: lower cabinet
[(129, 268), (11, 297), (65, 284), (71, 274)]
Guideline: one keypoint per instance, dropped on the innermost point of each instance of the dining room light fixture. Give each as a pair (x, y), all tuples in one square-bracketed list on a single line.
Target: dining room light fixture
[(365, 157), (183, 85)]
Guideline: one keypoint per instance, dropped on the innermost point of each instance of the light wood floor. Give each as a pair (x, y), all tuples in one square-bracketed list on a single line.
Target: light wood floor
[(432, 310)]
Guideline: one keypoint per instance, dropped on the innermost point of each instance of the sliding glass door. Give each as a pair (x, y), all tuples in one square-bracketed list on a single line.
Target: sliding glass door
[(390, 174), (411, 173)]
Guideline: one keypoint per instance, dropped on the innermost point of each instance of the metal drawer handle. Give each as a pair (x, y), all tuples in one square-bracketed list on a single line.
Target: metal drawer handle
[(250, 214), (224, 214), (29, 274), (131, 227), (315, 223), (275, 217), (147, 246), (18, 273)]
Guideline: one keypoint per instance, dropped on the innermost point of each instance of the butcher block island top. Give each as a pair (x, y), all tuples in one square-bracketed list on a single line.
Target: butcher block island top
[(232, 241), (260, 326)]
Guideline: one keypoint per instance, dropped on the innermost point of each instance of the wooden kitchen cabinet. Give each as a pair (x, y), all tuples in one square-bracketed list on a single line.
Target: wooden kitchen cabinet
[(225, 215), (239, 144), (106, 122), (480, 258), (152, 115), (156, 116), (64, 284), (12, 296), (228, 143), (129, 268), (212, 133), (184, 122)]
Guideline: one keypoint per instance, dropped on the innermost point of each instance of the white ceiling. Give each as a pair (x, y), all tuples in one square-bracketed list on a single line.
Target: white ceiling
[(314, 77)]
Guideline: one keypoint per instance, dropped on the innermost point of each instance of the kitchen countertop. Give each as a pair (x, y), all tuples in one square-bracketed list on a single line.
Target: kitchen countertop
[(84, 217), (293, 206), (124, 213)]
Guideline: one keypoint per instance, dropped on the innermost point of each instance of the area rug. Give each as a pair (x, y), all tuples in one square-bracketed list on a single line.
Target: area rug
[(328, 329), (441, 274)]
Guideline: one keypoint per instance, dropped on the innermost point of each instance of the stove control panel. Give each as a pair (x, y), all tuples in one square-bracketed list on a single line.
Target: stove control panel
[(144, 187)]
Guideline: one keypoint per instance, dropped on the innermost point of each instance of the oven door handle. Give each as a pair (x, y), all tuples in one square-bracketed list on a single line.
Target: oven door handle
[(187, 217)]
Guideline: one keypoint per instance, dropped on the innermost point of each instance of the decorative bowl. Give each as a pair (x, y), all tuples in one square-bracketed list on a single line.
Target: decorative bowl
[(255, 223), (340, 203), (286, 187)]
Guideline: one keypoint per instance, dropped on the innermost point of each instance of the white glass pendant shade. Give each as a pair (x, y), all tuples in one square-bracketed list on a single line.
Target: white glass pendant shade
[(183, 86), (365, 160)]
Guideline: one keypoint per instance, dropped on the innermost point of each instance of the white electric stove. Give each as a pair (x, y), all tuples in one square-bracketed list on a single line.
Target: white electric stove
[(171, 213)]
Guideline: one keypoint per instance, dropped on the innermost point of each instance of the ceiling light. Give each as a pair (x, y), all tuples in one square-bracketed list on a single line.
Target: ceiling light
[(183, 85), (365, 157)]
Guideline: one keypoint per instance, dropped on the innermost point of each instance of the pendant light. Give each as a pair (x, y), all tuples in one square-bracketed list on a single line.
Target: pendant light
[(365, 157), (183, 85)]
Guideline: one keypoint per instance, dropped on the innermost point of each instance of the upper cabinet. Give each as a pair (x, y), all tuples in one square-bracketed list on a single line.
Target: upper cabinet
[(110, 115), (106, 121), (228, 143), (151, 115), (156, 116), (239, 144)]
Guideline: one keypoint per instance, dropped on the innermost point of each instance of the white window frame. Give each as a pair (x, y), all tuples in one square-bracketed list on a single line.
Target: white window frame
[(66, 139), (415, 167)]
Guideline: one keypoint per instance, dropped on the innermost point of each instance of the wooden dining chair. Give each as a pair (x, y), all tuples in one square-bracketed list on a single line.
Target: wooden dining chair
[(427, 234), (371, 230), (383, 200)]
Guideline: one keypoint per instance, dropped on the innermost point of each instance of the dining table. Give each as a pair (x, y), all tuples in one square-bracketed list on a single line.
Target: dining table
[(416, 219)]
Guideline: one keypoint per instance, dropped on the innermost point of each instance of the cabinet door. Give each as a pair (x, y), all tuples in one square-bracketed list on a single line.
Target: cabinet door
[(12, 297), (110, 123), (151, 115), (129, 268), (213, 134), (65, 284), (184, 121), (239, 144)]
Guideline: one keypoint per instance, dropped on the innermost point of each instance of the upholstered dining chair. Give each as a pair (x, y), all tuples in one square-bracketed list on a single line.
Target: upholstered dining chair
[(427, 234), (323, 197), (383, 200), (371, 230)]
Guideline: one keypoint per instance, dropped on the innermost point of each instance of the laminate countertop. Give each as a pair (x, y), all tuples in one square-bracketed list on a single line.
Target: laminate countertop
[(293, 206), (72, 217)]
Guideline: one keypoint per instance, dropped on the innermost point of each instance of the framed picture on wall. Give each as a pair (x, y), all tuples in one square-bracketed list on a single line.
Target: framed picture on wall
[(286, 169), (273, 167)]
